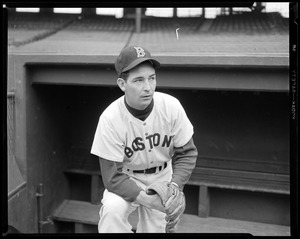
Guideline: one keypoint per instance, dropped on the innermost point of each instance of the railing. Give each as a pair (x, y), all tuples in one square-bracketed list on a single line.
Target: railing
[(10, 124), (15, 179)]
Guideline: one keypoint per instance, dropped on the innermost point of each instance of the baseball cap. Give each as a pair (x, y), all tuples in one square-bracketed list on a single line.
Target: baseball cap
[(131, 56)]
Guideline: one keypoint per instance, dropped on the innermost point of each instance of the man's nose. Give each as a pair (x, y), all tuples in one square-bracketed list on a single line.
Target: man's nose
[(147, 86)]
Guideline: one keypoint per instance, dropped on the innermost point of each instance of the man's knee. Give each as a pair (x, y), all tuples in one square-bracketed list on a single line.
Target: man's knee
[(115, 205), (114, 214)]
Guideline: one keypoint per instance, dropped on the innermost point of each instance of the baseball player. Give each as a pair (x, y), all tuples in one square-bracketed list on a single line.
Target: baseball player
[(143, 139)]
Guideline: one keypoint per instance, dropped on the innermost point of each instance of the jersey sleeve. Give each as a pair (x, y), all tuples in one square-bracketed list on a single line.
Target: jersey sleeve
[(107, 143), (184, 161), (117, 182), (182, 128)]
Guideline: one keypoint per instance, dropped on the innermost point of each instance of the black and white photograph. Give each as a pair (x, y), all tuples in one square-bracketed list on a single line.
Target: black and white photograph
[(150, 119)]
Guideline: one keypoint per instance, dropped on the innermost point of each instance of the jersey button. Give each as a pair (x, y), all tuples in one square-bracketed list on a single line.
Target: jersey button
[(149, 150), (144, 124), (146, 134)]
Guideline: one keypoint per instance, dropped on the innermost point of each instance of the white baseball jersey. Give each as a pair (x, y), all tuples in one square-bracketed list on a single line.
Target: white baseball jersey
[(121, 137)]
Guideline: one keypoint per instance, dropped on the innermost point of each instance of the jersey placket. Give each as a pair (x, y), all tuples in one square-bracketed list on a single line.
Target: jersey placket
[(148, 149), (145, 128)]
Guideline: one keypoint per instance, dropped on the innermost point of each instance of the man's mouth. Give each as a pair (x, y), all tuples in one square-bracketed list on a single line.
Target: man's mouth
[(146, 96)]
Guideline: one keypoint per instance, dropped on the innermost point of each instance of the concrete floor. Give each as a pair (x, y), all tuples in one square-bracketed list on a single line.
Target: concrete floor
[(194, 224)]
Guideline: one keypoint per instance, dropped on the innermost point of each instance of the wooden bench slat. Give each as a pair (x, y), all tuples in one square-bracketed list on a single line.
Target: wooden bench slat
[(242, 164), (242, 180), (84, 212), (77, 211)]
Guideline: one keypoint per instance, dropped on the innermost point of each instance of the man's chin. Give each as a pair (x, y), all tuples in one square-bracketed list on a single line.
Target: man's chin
[(144, 104)]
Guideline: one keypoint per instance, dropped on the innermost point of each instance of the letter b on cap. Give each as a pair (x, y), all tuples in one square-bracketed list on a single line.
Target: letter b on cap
[(139, 52)]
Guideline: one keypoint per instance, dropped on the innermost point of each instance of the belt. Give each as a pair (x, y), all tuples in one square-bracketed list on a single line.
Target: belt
[(152, 170)]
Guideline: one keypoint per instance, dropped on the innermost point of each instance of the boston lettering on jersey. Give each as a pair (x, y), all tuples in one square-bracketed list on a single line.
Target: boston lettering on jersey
[(152, 140)]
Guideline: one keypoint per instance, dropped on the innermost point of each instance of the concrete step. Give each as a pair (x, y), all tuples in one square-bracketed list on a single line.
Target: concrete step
[(194, 224)]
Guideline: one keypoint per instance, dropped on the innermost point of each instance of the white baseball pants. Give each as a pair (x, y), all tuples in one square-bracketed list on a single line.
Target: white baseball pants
[(115, 210)]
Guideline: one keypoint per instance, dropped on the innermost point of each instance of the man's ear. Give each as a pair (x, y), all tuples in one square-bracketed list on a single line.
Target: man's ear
[(121, 83)]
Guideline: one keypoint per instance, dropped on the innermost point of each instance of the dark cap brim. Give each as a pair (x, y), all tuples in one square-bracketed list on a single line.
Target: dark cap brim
[(138, 61)]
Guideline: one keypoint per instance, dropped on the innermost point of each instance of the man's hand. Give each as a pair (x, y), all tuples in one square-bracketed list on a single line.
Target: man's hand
[(150, 201), (172, 198)]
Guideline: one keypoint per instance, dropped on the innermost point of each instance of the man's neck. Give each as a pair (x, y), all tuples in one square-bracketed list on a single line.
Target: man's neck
[(140, 114)]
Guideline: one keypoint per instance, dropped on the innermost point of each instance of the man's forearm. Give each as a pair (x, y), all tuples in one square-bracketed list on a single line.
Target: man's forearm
[(117, 182), (184, 161)]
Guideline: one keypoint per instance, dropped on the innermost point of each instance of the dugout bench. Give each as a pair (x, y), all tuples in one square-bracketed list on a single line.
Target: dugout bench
[(84, 212)]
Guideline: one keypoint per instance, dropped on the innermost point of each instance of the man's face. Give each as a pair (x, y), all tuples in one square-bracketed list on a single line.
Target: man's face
[(140, 86)]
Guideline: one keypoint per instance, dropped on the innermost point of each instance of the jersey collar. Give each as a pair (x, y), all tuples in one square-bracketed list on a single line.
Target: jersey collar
[(140, 114)]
